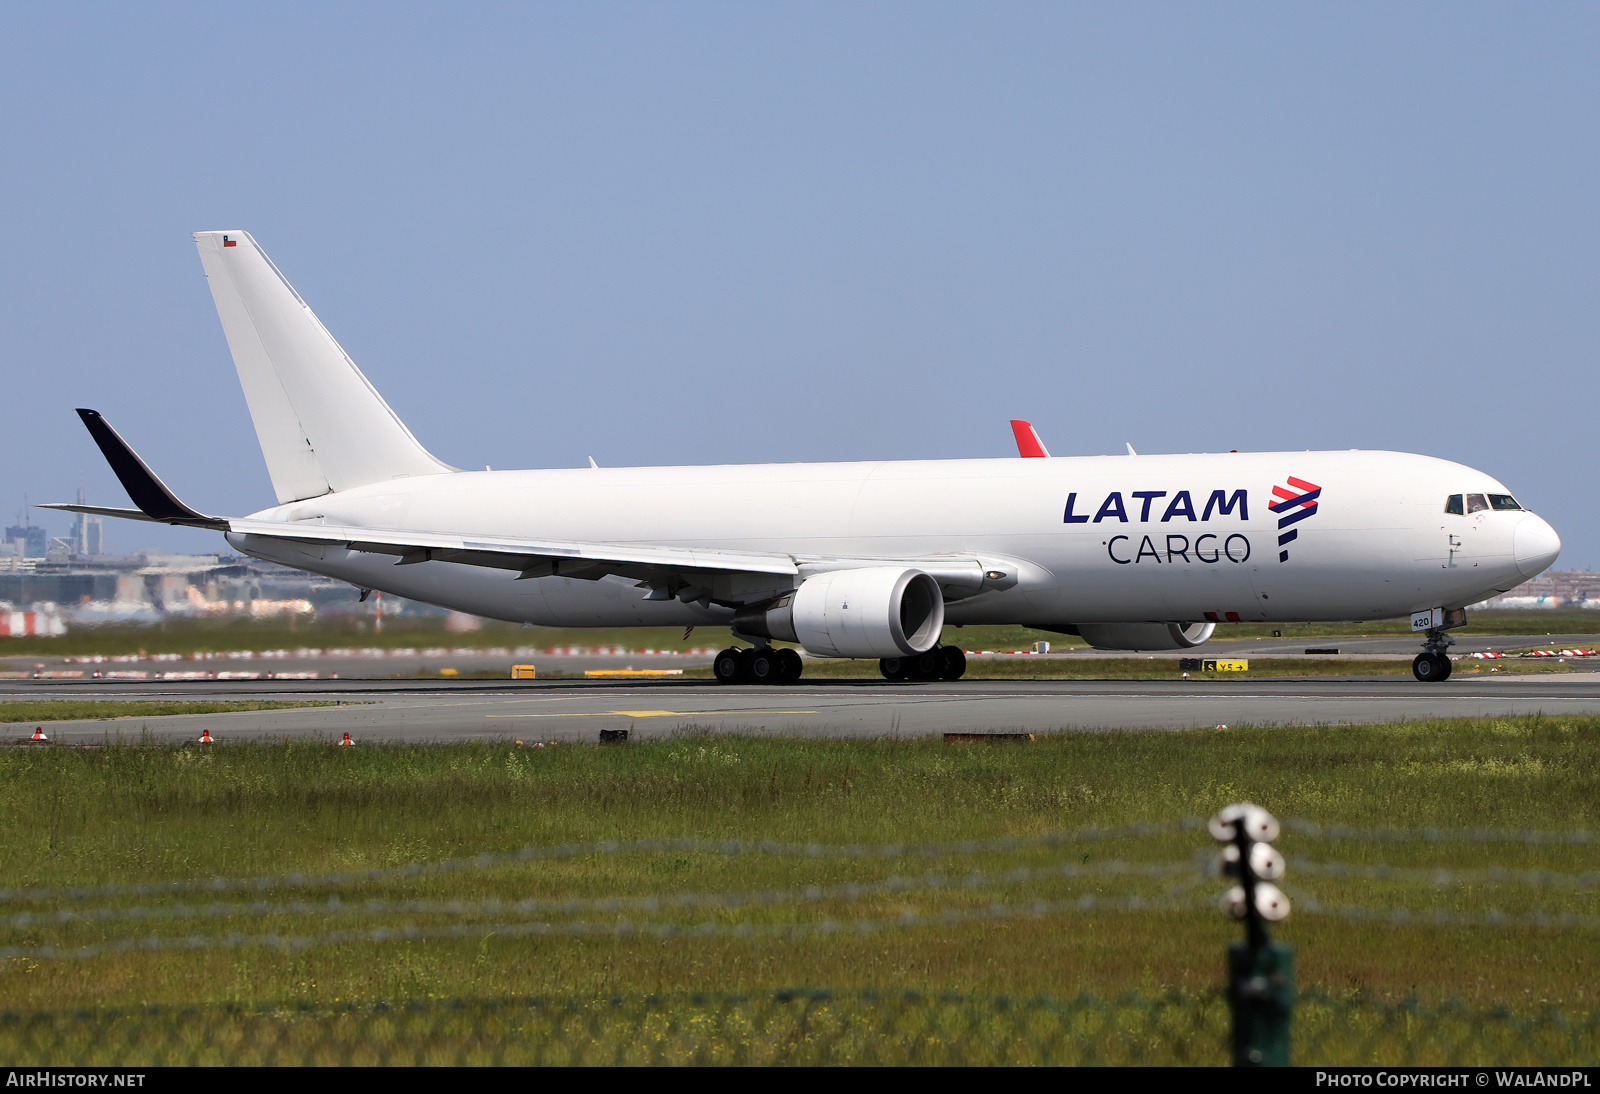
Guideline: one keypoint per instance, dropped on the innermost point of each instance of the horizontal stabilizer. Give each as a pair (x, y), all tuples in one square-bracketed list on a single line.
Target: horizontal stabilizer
[(101, 511)]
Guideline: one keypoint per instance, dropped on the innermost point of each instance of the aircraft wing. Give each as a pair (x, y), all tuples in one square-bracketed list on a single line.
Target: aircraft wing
[(535, 557), (665, 570), (148, 492)]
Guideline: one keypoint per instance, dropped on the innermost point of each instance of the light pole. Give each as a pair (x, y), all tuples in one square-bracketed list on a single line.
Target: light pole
[(1260, 971)]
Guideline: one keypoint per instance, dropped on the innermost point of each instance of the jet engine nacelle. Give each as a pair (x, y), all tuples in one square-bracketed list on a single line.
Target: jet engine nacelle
[(873, 611), (1144, 636)]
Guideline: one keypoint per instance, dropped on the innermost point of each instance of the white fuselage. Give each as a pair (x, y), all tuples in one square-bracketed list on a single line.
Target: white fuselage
[(1151, 538)]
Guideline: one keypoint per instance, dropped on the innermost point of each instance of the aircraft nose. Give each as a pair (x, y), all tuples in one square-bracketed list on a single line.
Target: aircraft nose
[(1536, 545)]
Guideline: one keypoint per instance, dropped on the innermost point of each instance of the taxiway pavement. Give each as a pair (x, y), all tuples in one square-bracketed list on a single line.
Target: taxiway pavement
[(576, 711)]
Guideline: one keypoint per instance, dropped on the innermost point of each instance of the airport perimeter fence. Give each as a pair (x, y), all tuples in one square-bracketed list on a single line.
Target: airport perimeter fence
[(796, 1026), (799, 1027)]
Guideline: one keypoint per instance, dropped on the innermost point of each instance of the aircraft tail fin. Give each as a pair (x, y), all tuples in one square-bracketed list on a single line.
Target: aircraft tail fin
[(322, 425), (1028, 442)]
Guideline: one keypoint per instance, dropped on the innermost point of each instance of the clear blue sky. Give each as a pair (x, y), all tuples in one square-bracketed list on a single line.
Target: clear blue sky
[(687, 232)]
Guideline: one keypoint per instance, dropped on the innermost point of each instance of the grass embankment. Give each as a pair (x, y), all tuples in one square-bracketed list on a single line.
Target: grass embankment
[(92, 816), (72, 710), (184, 636)]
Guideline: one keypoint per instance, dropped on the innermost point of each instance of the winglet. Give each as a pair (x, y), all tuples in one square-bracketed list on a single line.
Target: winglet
[(148, 492), (1028, 442)]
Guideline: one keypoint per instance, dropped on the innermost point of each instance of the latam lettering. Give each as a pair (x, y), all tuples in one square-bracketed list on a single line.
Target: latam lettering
[(1181, 505)]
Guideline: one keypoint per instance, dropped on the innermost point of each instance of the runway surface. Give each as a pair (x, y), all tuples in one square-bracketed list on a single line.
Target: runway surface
[(574, 711), (366, 664), (1397, 645)]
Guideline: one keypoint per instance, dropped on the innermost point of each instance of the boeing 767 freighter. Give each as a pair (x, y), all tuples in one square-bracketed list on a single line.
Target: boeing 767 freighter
[(866, 560)]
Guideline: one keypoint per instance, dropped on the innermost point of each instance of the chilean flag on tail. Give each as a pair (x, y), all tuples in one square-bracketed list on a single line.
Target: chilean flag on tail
[(1295, 507), (226, 242)]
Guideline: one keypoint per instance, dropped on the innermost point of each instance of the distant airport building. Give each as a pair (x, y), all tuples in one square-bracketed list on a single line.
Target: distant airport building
[(27, 541), (1552, 589), (50, 582), (85, 590)]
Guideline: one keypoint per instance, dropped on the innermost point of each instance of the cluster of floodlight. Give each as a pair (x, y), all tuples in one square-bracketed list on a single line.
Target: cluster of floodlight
[(1248, 831)]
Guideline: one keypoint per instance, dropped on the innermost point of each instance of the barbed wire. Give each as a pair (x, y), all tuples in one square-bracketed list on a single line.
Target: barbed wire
[(1437, 835), (1441, 917), (1173, 901), (608, 847), (1439, 876), (487, 860), (335, 905)]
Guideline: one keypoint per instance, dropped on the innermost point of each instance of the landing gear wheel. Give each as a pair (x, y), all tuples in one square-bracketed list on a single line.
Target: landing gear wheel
[(789, 666), (763, 667), (728, 665), (1431, 667), (952, 662), (925, 666), (893, 668)]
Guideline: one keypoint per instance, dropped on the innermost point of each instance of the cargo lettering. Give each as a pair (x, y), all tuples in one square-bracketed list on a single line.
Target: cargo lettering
[(1235, 548)]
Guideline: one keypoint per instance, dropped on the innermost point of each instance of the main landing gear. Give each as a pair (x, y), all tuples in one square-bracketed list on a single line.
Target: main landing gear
[(762, 665), (769, 665), (939, 663), (1433, 663)]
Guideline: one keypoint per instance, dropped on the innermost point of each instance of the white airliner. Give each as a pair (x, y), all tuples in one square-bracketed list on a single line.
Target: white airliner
[(865, 560)]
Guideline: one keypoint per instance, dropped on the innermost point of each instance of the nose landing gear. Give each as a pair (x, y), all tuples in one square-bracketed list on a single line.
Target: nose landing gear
[(1433, 663)]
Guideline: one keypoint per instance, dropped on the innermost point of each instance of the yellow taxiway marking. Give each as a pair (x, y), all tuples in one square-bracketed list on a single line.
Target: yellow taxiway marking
[(645, 713)]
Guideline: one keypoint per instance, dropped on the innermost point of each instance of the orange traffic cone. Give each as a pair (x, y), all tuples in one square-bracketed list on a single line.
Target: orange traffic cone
[(38, 734), (346, 741), (205, 736)]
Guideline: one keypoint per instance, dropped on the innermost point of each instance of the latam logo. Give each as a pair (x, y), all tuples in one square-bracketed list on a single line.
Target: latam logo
[(1294, 507), (1182, 505)]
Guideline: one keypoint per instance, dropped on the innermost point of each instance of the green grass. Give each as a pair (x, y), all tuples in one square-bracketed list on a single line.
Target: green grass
[(71, 710), (137, 812)]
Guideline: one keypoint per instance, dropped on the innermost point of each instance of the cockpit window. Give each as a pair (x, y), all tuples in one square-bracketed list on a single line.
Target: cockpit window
[(1477, 503), (1452, 504), (1503, 501)]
